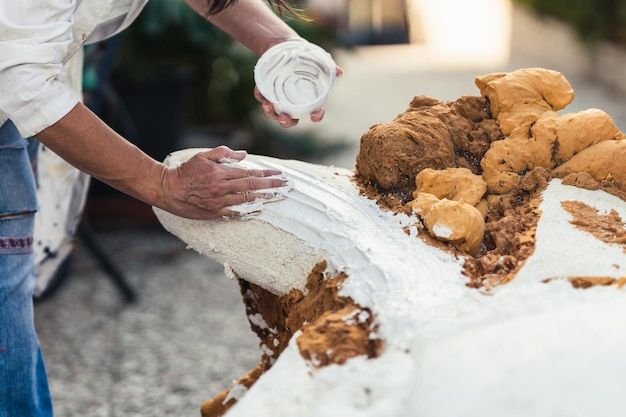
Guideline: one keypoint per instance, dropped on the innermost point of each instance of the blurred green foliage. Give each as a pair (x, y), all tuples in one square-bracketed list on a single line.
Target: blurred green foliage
[(593, 20), (169, 36)]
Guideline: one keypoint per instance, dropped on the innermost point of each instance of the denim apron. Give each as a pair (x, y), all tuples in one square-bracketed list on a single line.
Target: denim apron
[(24, 388), (23, 382)]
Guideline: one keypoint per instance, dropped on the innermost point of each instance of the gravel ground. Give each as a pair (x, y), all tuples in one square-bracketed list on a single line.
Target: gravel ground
[(183, 341)]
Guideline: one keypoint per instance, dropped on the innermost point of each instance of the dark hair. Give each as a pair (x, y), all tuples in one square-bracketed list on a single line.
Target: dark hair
[(282, 6)]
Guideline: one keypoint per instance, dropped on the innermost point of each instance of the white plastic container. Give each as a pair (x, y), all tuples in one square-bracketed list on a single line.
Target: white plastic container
[(296, 77)]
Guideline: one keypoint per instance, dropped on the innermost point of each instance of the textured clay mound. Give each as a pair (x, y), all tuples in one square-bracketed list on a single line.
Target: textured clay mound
[(473, 169)]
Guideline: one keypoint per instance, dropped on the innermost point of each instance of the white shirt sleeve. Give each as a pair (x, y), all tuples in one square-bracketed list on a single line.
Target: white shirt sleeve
[(34, 39)]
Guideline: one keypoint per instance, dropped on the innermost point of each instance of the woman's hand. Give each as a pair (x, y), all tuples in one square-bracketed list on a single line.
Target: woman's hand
[(204, 187), (284, 119)]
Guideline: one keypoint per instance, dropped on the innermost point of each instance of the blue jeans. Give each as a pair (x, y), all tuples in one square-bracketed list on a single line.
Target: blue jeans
[(23, 381)]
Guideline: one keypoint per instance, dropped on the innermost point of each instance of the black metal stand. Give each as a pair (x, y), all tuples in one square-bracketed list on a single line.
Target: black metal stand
[(88, 237)]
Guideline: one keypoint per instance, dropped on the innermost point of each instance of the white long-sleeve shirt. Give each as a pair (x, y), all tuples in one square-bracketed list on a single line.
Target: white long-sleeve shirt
[(40, 59)]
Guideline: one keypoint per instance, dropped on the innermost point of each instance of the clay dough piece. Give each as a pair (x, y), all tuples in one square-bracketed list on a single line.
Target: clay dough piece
[(603, 161), (553, 140), (458, 184), (456, 222), (519, 98), (507, 160), (564, 136), (423, 202)]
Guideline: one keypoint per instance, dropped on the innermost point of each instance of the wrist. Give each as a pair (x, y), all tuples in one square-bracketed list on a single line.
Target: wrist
[(276, 41), (146, 182), (155, 189)]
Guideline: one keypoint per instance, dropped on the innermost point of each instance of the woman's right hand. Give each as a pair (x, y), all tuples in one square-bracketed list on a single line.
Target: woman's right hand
[(205, 188)]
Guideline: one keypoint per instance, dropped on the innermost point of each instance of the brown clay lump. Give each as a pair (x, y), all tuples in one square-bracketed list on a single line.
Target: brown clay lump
[(392, 154), (429, 134)]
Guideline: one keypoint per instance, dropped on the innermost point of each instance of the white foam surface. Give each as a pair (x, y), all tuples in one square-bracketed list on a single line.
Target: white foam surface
[(528, 348)]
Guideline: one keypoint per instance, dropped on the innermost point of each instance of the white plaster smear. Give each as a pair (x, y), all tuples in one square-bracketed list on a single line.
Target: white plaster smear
[(526, 349)]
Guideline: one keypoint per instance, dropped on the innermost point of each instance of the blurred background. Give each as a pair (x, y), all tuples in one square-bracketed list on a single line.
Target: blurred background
[(136, 324), (173, 81)]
